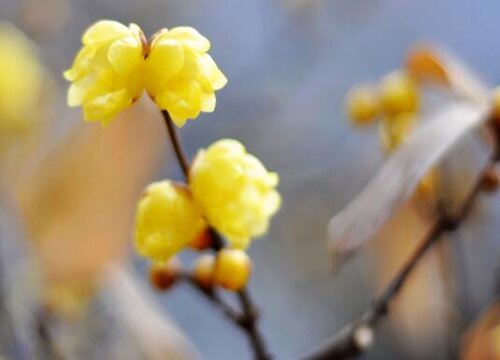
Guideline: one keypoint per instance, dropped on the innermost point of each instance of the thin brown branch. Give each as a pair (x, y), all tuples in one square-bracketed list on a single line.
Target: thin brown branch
[(176, 144), (354, 339), (213, 296), (48, 347), (247, 320)]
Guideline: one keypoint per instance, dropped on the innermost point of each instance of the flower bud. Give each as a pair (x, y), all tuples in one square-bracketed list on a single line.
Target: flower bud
[(203, 271), (201, 242), (232, 269), (362, 105), (163, 275), (490, 179)]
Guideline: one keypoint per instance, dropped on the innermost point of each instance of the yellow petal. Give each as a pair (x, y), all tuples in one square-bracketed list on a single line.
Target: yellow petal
[(104, 108), (212, 72), (79, 90), (208, 101), (165, 59), (189, 37), (125, 54), (104, 30), (81, 63)]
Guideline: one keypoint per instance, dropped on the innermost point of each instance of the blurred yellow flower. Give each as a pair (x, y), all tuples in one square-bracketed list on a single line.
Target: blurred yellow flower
[(167, 220), (106, 74), (399, 93), (117, 63), (236, 192), (180, 76), (21, 79), (394, 130)]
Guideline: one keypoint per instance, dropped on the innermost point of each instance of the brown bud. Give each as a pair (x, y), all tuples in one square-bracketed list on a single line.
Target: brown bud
[(203, 271), (163, 275), (490, 180), (202, 242)]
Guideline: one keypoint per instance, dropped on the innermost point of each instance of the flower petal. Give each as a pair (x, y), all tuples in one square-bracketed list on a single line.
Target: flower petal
[(189, 37), (125, 54), (104, 30)]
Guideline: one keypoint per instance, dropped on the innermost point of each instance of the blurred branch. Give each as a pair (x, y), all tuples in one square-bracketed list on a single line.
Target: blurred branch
[(48, 348), (249, 317), (354, 339)]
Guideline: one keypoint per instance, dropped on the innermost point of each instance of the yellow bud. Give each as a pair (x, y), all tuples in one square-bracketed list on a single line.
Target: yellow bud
[(398, 93), (235, 191), (362, 105), (163, 275), (233, 268), (203, 271), (167, 221), (396, 130)]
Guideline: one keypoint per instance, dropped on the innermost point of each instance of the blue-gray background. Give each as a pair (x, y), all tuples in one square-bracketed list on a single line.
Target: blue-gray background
[(288, 69)]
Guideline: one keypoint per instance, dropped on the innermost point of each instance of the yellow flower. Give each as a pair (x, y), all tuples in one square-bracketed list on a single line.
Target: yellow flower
[(395, 130), (106, 74), (116, 63), (167, 220), (399, 93), (362, 105), (235, 191), (179, 74), (21, 79)]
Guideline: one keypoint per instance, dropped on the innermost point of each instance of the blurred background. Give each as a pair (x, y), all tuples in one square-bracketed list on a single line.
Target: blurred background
[(289, 65)]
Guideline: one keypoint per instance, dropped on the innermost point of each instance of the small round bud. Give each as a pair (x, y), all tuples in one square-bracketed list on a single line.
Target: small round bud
[(232, 269), (398, 93), (490, 180), (163, 275), (203, 271), (495, 98), (201, 242), (364, 337), (362, 104)]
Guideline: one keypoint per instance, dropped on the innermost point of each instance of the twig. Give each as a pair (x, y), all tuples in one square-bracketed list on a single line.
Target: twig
[(177, 145), (354, 339), (248, 319), (212, 295), (48, 348)]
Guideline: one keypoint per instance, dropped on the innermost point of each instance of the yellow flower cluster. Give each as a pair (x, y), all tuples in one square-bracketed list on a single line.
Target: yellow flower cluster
[(21, 79), (229, 189), (235, 191), (117, 63), (167, 220), (396, 100)]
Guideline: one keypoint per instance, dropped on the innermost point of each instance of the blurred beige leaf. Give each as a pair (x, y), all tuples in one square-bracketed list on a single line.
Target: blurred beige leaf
[(431, 63), (148, 325), (396, 181), (482, 339), (79, 201)]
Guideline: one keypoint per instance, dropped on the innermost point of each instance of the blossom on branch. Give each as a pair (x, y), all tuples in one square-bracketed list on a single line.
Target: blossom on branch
[(167, 220), (116, 64), (235, 191)]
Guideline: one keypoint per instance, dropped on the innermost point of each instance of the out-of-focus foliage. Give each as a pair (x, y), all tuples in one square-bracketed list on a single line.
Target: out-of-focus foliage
[(21, 80), (482, 340)]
